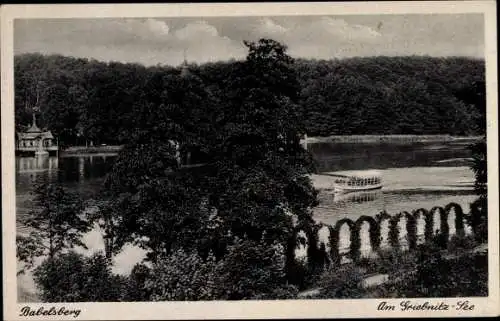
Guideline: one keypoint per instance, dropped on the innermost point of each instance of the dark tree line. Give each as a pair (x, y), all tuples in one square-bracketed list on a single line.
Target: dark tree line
[(389, 95), (85, 101)]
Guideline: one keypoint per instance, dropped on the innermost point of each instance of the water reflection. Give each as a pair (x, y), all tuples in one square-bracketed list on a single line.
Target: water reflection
[(35, 169), (329, 157), (358, 197), (83, 174), (82, 168), (64, 170), (28, 165), (334, 206)]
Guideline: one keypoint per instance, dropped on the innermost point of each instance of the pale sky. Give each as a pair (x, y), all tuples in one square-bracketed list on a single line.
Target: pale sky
[(152, 41)]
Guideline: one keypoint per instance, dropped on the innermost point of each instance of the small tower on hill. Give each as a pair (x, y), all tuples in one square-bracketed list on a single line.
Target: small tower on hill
[(184, 66)]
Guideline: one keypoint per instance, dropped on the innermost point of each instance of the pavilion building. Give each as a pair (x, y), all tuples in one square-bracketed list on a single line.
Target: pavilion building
[(36, 141)]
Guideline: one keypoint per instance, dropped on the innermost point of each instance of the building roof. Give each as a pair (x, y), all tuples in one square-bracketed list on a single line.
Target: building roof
[(34, 129), (35, 132), (35, 135)]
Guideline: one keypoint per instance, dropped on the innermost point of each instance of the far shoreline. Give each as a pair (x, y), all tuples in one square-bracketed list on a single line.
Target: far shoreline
[(107, 150), (390, 139), (110, 150)]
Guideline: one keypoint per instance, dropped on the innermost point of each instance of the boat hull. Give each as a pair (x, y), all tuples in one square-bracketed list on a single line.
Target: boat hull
[(351, 189)]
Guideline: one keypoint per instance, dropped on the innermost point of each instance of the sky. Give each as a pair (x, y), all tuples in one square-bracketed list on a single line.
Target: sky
[(165, 41)]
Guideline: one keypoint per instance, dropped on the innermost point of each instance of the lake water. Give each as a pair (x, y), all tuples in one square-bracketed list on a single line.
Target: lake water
[(414, 176)]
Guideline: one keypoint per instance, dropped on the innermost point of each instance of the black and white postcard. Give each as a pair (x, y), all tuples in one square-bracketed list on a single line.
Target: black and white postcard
[(267, 160)]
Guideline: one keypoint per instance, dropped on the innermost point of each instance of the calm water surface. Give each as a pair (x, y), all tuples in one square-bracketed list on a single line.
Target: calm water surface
[(414, 176), (418, 175)]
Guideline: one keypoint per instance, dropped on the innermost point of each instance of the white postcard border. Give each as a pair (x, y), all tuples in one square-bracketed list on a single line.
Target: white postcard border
[(249, 309)]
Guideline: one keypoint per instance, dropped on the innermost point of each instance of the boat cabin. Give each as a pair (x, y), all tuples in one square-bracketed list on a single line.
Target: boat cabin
[(357, 181)]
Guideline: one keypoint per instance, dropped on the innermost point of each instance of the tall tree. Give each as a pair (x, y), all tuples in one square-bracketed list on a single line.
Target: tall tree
[(260, 157), (55, 224), (157, 204), (256, 172), (476, 95)]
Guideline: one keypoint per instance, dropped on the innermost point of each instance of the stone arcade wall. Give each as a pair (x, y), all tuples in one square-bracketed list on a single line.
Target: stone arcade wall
[(350, 240)]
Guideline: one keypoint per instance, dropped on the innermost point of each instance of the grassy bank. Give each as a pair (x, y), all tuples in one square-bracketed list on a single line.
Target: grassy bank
[(73, 150), (396, 139)]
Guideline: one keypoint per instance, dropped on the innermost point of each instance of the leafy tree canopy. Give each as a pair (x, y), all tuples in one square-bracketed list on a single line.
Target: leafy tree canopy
[(86, 100)]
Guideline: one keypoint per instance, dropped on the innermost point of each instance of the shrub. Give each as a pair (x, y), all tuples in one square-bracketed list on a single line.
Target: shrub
[(71, 277), (462, 275), (343, 282), (395, 262), (249, 270), (459, 243), (135, 287), (478, 219), (182, 276), (437, 275), (253, 270)]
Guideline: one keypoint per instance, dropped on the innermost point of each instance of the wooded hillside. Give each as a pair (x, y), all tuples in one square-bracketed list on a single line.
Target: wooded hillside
[(82, 99)]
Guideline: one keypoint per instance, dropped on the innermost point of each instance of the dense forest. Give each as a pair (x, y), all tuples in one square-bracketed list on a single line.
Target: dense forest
[(84, 100)]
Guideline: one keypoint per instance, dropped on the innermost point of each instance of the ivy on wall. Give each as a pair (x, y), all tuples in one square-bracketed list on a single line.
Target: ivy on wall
[(411, 229), (320, 257), (394, 231)]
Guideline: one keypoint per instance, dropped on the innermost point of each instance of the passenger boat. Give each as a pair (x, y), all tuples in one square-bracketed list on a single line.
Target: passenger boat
[(356, 181)]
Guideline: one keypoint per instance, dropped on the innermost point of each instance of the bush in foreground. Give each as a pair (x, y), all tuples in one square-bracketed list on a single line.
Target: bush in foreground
[(430, 271), (71, 277), (438, 273), (249, 271)]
